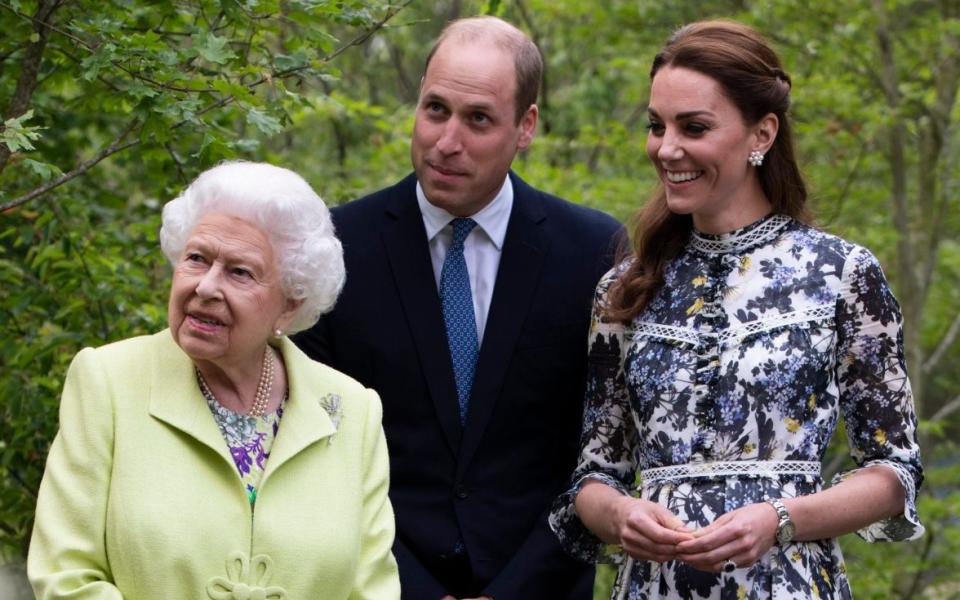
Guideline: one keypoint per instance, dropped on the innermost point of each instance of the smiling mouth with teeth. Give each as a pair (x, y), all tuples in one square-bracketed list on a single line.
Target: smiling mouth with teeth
[(682, 176)]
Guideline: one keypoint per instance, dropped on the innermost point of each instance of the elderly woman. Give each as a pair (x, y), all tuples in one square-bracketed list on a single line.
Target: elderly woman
[(214, 459)]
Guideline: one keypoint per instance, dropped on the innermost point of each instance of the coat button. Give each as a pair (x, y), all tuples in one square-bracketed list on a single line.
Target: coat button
[(460, 491)]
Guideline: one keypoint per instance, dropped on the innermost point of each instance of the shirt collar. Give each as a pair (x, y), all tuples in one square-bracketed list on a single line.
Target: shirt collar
[(492, 218)]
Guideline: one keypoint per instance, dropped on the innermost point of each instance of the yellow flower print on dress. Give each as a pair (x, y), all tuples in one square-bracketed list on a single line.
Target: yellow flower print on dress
[(880, 437), (696, 307)]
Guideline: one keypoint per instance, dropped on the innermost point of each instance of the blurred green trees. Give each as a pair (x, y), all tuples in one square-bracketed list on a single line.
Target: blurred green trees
[(110, 108)]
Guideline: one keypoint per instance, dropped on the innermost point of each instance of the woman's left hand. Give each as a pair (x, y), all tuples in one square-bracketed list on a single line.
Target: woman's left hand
[(741, 536)]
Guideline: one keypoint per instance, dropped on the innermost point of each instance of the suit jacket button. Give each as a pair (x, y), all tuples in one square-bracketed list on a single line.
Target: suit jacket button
[(460, 491)]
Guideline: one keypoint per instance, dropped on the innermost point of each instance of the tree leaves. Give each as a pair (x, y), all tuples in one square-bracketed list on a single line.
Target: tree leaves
[(213, 49), (266, 123), (17, 135)]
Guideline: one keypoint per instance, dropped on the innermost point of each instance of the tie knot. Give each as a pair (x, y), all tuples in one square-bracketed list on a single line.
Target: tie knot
[(461, 229)]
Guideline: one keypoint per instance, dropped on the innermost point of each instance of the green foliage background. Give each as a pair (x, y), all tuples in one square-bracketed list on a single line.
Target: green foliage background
[(110, 108)]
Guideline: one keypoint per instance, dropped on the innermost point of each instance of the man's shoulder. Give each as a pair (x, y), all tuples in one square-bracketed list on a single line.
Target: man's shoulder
[(382, 201), (566, 213)]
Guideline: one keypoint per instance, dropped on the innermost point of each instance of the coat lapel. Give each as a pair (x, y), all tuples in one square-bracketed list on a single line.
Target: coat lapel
[(405, 242), (524, 249), (175, 396), (305, 421), (176, 400)]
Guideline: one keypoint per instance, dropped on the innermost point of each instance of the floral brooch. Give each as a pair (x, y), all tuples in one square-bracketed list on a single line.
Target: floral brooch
[(332, 404)]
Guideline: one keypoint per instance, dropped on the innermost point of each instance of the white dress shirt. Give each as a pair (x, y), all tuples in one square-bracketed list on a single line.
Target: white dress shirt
[(481, 249)]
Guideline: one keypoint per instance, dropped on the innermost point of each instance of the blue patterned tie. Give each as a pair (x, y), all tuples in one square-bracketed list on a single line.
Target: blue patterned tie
[(458, 313)]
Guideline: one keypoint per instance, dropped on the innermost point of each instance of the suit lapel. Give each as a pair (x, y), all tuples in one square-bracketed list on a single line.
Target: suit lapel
[(405, 242), (524, 249)]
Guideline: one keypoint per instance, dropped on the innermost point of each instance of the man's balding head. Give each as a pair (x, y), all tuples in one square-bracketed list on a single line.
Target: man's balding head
[(528, 64)]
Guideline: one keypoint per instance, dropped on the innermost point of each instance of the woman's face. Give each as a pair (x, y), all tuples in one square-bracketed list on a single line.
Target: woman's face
[(226, 300), (699, 144)]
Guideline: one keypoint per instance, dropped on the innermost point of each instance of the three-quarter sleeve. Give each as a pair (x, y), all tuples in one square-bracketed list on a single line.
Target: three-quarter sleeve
[(68, 557), (609, 438), (874, 389), (377, 576)]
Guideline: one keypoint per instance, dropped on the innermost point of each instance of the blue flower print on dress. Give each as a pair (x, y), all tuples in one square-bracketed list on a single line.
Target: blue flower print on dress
[(759, 341)]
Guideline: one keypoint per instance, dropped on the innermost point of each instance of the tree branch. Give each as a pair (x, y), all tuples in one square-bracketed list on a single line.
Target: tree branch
[(918, 575), (907, 274), (545, 121), (92, 48), (27, 81), (45, 25), (948, 338), (176, 161), (938, 133), (847, 184), (32, 490), (7, 529), (117, 145), (946, 410)]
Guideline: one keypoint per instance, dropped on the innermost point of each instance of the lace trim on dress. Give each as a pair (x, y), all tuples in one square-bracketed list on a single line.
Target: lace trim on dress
[(734, 335), (732, 468), (741, 239)]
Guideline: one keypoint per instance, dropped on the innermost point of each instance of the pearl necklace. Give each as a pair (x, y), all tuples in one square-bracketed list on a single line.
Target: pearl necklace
[(264, 386)]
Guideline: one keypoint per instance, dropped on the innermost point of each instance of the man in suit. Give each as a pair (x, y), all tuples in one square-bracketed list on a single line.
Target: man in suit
[(467, 307)]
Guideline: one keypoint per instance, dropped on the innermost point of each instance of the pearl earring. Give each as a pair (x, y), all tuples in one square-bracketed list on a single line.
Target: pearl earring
[(755, 158), (277, 332)]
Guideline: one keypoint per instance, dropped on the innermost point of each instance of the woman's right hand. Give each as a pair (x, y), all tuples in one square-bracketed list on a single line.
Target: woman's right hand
[(648, 531), (645, 530)]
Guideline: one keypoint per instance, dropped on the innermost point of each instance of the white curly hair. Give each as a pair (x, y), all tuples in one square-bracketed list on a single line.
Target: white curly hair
[(286, 208)]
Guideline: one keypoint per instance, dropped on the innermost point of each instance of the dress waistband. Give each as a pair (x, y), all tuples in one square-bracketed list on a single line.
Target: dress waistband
[(752, 468)]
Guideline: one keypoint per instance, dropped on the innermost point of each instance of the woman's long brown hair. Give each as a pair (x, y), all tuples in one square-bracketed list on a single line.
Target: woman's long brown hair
[(751, 76)]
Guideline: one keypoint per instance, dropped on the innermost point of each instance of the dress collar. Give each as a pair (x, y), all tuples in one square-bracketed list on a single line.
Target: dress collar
[(739, 240)]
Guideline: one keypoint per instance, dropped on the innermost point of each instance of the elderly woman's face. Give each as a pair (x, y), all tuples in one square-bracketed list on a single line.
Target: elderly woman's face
[(226, 300)]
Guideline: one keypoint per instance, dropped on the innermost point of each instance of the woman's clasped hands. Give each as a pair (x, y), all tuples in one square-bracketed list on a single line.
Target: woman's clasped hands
[(734, 540)]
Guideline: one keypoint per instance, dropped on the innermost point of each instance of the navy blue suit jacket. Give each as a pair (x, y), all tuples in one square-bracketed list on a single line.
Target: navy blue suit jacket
[(489, 483)]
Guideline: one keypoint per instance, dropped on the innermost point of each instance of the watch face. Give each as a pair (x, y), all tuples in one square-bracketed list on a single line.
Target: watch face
[(785, 532)]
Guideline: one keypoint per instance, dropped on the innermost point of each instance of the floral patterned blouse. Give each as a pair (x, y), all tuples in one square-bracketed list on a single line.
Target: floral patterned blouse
[(249, 440), (726, 390)]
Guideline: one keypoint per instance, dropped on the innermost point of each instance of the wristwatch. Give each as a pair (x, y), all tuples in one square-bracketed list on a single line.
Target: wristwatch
[(785, 528)]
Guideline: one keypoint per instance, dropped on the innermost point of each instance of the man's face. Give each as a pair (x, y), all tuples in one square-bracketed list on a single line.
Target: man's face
[(466, 134)]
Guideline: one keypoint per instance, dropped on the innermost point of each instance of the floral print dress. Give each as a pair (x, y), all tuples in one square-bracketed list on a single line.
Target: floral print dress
[(726, 390), (249, 439)]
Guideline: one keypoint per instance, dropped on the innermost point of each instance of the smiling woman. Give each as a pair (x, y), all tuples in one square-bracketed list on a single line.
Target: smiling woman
[(697, 142), (725, 350), (203, 441)]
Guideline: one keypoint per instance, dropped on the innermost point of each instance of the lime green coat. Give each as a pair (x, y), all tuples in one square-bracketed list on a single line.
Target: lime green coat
[(141, 499)]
